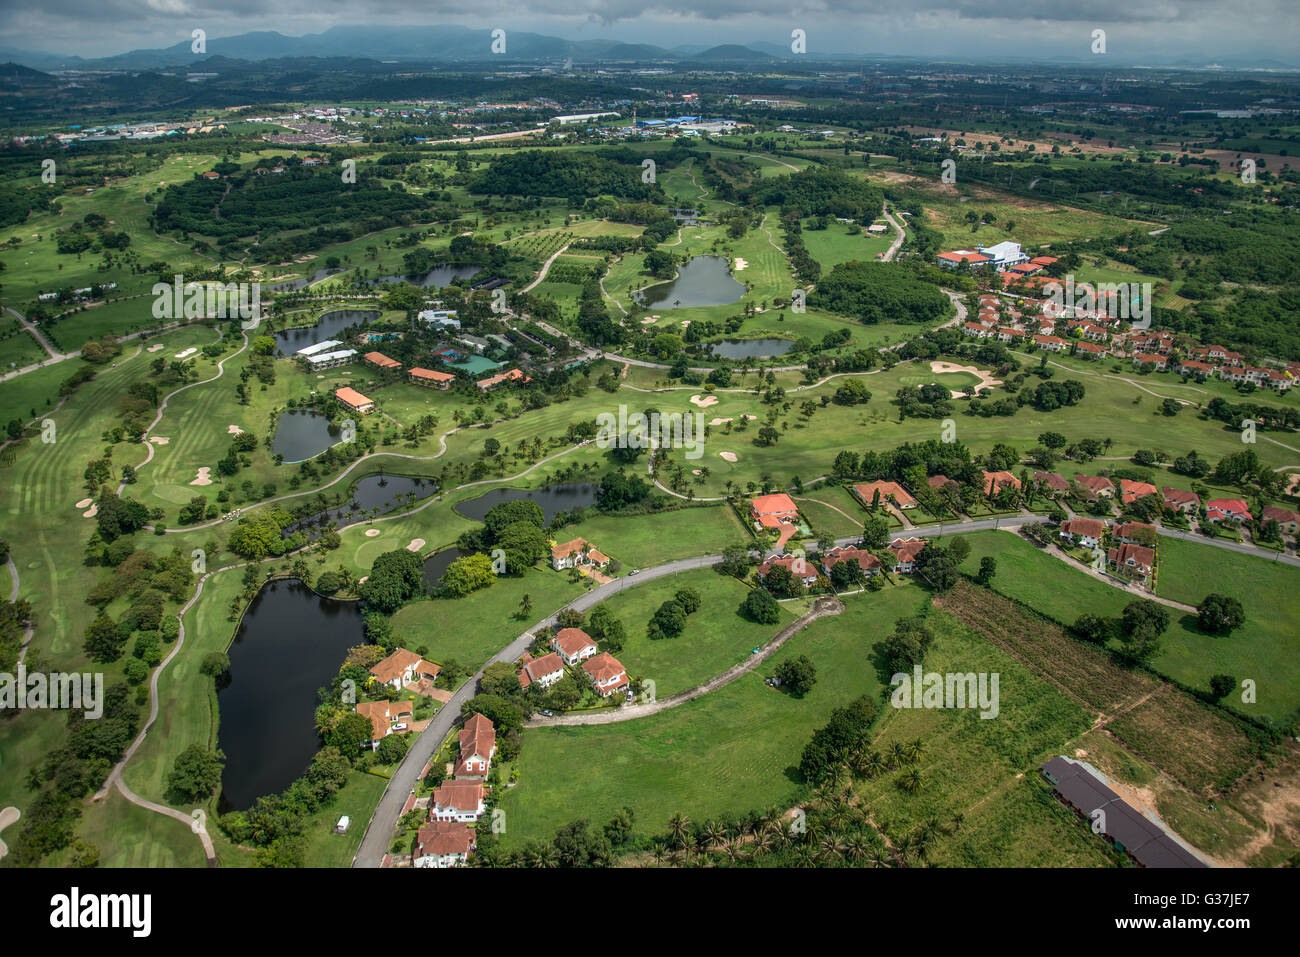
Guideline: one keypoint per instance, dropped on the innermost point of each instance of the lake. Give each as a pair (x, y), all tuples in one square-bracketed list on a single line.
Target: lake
[(328, 326), (299, 435), (293, 285), (704, 281), (563, 497), (437, 564), (750, 348), (435, 278), (387, 493), (290, 643)]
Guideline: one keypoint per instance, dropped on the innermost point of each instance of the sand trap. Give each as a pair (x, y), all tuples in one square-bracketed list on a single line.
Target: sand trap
[(363, 579), (233, 430), (320, 377), (685, 323), (728, 419), (159, 440), (728, 456), (648, 321), (186, 353), (371, 532), (156, 347), (84, 503), (415, 545), (740, 264), (204, 477), (696, 472), (704, 401), (986, 378), (91, 512)]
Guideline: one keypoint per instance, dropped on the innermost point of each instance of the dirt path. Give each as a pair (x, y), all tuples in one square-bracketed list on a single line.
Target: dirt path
[(1055, 551), (822, 607), (546, 267)]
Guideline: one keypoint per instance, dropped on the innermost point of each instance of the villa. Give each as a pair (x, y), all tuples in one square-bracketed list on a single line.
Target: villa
[(1180, 500), (995, 482), (442, 844), (868, 562), (906, 550), (430, 378), (802, 570), (1287, 520), (378, 360), (606, 673), (1137, 559), (577, 552), (459, 799), (1083, 531), (1131, 491), (776, 511), (354, 400), (478, 743), (384, 715), (1231, 510), (543, 671), (889, 491), (402, 667), (1095, 485), (573, 645)]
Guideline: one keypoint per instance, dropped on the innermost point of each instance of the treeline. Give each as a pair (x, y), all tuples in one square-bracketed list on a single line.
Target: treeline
[(880, 292), (570, 175), (821, 190)]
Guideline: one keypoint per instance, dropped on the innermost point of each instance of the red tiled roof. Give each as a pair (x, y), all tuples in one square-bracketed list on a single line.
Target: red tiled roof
[(351, 397), (381, 360), (442, 838), (431, 374), (603, 667), (867, 490), (776, 504), (572, 640)]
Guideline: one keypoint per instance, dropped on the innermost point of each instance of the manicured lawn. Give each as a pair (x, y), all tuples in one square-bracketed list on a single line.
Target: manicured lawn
[(731, 751), (715, 638), (357, 800), (131, 836), (643, 541)]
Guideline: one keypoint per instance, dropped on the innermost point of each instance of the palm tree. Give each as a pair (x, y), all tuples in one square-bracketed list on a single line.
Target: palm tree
[(679, 826), (911, 781), (897, 755), (915, 749), (714, 834)]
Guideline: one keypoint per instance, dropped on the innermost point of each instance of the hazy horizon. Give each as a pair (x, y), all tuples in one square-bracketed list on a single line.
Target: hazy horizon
[(1037, 30)]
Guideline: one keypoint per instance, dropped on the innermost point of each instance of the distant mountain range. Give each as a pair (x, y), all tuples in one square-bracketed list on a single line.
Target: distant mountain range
[(450, 44)]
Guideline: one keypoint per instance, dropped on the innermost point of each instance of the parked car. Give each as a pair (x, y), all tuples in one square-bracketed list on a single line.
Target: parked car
[(400, 727), (634, 571), (547, 714)]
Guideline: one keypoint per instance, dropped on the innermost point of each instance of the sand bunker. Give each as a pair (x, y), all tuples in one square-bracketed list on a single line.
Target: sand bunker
[(648, 321), (233, 430), (415, 545), (91, 512), (696, 472), (740, 264), (363, 579), (186, 353), (204, 477), (159, 440), (728, 419), (986, 378), (685, 323), (84, 503), (728, 456), (371, 532), (704, 401), (156, 347)]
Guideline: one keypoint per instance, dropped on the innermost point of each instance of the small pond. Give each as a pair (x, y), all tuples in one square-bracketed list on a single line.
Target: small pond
[(704, 281), (329, 326), (563, 497), (300, 434), (750, 348)]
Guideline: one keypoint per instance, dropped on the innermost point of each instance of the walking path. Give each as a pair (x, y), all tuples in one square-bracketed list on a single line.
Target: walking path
[(821, 608)]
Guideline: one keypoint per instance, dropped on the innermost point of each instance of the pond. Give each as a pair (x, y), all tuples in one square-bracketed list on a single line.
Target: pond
[(435, 278), (329, 326), (383, 493), (437, 564), (293, 285), (704, 281), (299, 435), (290, 643), (750, 348), (563, 497)]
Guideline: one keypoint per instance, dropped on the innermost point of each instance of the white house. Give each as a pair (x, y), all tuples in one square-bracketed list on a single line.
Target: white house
[(442, 844), (457, 800), (543, 671), (574, 645)]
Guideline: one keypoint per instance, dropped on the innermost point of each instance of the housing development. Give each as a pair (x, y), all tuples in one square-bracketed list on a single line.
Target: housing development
[(449, 447)]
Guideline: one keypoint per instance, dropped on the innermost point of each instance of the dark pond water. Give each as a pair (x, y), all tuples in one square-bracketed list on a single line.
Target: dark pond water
[(300, 435), (750, 348), (704, 281), (564, 497), (436, 564), (387, 493), (435, 278), (289, 341), (290, 643)]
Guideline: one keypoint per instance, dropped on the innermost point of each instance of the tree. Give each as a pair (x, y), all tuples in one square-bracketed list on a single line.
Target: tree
[(735, 560), (392, 749), (1090, 628), (500, 678), (759, 606), (1221, 686), (467, 574), (668, 621), (797, 674), (395, 577), (988, 568), (350, 733), (936, 566), (196, 773), (215, 663), (906, 645), (103, 642), (689, 599), (1143, 621), (1219, 614)]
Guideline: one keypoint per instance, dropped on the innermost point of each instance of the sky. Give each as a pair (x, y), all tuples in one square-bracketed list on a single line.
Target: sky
[(1204, 30)]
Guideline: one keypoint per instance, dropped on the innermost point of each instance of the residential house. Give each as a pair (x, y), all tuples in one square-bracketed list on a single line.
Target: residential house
[(430, 378), (866, 493), (1194, 368), (510, 375), (1083, 531), (460, 799), (1231, 510), (802, 570), (1052, 343), (579, 551), (354, 400), (574, 645), (939, 482), (384, 715), (1130, 491), (1180, 500), (954, 259), (606, 673), (478, 744), (1089, 350), (1136, 559), (543, 671), (1135, 533), (1154, 359), (402, 667), (442, 844), (868, 562), (1287, 520), (776, 511), (1095, 485), (905, 551), (1052, 481), (995, 482)]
